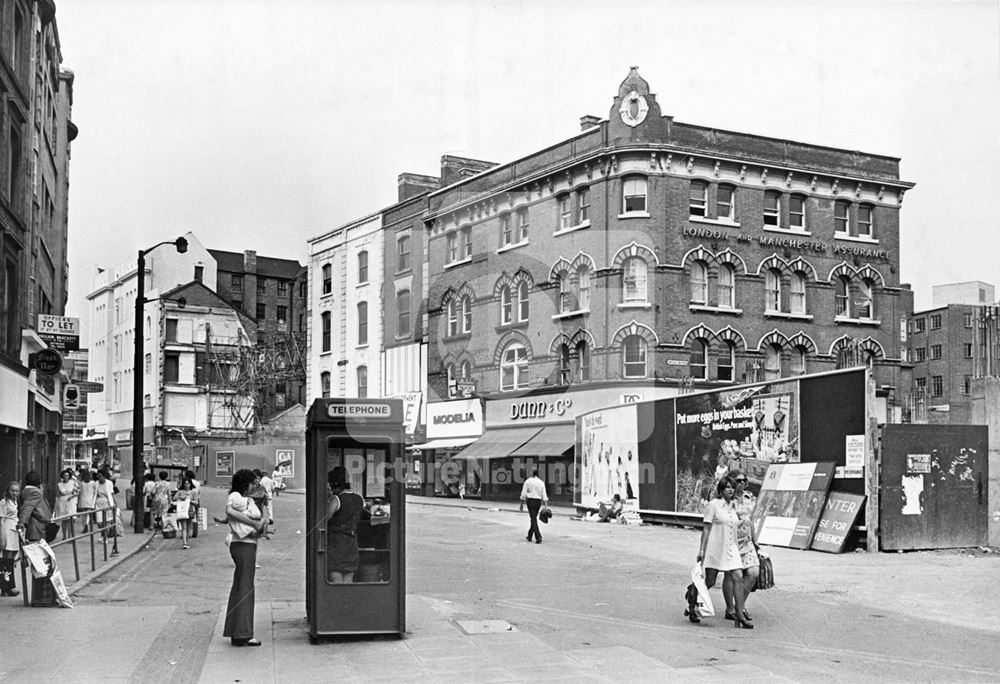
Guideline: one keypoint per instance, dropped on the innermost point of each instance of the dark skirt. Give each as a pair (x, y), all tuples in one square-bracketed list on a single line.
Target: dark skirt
[(239, 612)]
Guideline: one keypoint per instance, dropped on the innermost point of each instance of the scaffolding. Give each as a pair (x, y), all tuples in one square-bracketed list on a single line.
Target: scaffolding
[(239, 373)]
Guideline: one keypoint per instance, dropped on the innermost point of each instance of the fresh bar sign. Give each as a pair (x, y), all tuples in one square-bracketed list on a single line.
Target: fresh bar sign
[(59, 332)]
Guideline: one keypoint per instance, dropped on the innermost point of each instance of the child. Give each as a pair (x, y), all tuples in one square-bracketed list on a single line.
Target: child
[(182, 503)]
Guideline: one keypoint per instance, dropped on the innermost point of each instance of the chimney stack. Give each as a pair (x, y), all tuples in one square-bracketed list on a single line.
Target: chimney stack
[(589, 121)]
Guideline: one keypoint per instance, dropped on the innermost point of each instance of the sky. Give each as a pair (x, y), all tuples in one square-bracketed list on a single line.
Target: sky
[(258, 125)]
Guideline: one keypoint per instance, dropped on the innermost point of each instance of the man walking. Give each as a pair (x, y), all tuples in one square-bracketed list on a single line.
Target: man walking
[(533, 492)]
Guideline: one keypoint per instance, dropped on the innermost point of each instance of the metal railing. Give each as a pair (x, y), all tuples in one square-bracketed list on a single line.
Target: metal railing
[(101, 521)]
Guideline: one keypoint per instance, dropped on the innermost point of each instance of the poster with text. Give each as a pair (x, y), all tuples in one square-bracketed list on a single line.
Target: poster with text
[(718, 432), (839, 514), (608, 462), (790, 503)]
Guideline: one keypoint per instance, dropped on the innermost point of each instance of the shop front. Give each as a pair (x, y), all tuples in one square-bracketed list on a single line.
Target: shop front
[(431, 467), (539, 431)]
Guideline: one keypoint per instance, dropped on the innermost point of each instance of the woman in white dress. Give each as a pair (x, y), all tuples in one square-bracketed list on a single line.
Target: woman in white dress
[(66, 498), (720, 551), (9, 544)]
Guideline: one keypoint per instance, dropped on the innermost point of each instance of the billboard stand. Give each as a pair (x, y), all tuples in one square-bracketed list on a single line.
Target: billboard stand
[(871, 466)]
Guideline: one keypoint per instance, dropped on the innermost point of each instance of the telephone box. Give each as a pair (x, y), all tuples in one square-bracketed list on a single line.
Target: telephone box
[(366, 437)]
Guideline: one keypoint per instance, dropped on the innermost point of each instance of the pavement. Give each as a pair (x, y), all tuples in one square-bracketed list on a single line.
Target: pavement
[(594, 603)]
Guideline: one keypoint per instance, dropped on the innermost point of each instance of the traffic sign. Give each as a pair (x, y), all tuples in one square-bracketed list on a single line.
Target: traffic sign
[(88, 386), (48, 361), (71, 397)]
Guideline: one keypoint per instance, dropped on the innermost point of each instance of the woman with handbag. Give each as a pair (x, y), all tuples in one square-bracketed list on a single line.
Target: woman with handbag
[(746, 539), (9, 545), (719, 550)]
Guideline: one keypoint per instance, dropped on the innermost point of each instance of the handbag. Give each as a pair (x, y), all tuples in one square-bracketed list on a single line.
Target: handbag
[(51, 531), (545, 514), (765, 579)]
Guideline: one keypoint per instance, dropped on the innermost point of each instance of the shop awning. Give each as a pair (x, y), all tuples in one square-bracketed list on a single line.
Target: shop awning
[(497, 443), (452, 443), (553, 440)]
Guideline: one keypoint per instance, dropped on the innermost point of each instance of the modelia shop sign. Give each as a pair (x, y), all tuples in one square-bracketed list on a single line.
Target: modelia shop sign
[(459, 418)]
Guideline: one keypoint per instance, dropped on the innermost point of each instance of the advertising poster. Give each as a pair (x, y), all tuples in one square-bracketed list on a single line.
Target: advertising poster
[(284, 460), (224, 462), (839, 514), (608, 462), (716, 432), (791, 502)]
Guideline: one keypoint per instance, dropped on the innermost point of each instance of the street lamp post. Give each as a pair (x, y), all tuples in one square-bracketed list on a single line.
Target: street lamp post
[(137, 377)]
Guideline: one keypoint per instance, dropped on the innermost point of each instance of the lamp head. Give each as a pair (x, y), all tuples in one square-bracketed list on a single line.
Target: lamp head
[(182, 245)]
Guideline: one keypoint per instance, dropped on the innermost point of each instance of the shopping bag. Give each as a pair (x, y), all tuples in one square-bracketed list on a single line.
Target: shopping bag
[(765, 578), (62, 594), (704, 605), (41, 558)]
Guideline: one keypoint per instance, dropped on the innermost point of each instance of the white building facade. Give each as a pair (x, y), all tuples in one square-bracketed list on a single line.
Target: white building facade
[(345, 303)]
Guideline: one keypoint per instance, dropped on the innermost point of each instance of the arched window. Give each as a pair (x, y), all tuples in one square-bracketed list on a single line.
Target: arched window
[(583, 288), (634, 194), (727, 286), (634, 357), (772, 362), (634, 281), (564, 369), (842, 296), (698, 361), (798, 364), (726, 361), (362, 382), (772, 290), (699, 282), (566, 299), (514, 367), (452, 317), (797, 293), (324, 384), (582, 361), (449, 373), (466, 314), (465, 370), (506, 306), (522, 301), (864, 308)]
